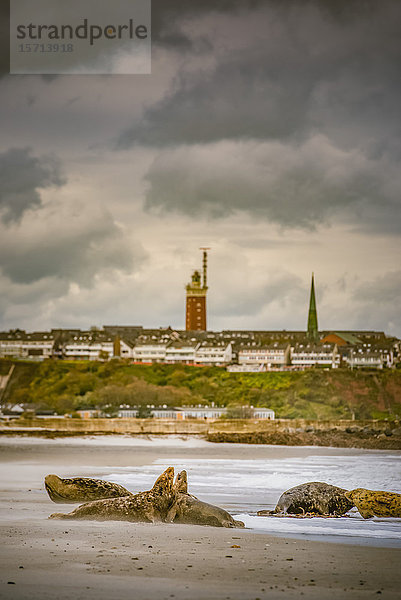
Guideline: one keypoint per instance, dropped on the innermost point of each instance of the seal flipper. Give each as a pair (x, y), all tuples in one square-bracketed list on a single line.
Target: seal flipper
[(239, 523), (172, 513), (366, 514), (151, 517)]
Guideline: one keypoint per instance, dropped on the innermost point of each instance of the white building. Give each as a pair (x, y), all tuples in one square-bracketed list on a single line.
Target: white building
[(181, 352), (152, 352), (185, 352), (205, 413), (19, 344), (263, 413), (361, 360), (367, 355), (270, 357), (164, 413), (310, 355), (89, 346), (126, 349), (127, 413), (213, 354)]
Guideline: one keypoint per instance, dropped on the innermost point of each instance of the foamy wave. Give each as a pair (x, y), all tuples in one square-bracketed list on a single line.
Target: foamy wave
[(347, 527)]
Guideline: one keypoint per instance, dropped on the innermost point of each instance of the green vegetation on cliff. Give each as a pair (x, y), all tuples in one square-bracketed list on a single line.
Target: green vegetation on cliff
[(314, 394)]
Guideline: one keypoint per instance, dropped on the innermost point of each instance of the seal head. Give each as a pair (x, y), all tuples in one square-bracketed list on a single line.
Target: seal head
[(372, 503), (181, 483)]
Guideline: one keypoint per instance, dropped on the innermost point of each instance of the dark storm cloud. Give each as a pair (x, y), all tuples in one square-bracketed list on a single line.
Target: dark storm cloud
[(281, 70), (22, 175), (300, 185), (167, 17), (292, 116)]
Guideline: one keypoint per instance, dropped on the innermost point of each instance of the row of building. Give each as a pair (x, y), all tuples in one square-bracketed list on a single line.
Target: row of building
[(178, 413), (182, 413), (237, 350)]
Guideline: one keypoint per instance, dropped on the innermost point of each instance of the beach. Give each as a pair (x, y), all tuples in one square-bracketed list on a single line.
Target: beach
[(43, 558)]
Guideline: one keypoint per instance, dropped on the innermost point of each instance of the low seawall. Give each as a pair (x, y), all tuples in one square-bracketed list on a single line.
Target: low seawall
[(110, 426)]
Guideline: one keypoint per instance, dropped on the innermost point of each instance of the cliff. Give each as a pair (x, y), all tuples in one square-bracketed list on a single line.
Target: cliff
[(315, 394)]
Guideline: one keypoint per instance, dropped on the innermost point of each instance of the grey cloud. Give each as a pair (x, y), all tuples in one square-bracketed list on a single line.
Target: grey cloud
[(22, 176), (232, 105), (300, 185), (376, 303), (73, 244), (385, 289), (311, 96), (281, 71), (23, 294), (167, 17), (280, 290)]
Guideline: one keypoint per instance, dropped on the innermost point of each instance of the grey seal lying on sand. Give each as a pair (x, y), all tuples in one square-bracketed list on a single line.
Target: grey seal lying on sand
[(314, 497), (82, 489), (152, 505), (191, 511)]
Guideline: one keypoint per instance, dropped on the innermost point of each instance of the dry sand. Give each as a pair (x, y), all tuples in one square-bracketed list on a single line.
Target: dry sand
[(43, 559)]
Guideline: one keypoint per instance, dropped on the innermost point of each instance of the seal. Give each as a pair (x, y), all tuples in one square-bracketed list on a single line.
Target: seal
[(372, 503), (315, 497), (190, 510), (150, 506), (81, 489)]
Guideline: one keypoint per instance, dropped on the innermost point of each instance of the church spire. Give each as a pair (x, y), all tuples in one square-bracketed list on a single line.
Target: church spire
[(312, 315)]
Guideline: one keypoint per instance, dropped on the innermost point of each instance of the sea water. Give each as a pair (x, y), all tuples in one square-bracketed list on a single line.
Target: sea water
[(244, 486)]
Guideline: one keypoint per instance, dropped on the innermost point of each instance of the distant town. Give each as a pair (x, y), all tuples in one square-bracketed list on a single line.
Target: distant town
[(236, 350), (245, 351)]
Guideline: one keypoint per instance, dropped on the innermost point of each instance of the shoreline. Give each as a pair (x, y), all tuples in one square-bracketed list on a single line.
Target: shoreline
[(328, 439)]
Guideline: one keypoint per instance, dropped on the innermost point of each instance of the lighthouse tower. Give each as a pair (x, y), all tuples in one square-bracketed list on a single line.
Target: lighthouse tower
[(195, 316)]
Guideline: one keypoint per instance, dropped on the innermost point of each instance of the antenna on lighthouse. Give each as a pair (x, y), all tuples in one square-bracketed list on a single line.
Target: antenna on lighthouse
[(204, 267)]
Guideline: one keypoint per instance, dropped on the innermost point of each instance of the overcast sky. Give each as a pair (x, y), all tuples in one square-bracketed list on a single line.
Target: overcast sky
[(269, 131)]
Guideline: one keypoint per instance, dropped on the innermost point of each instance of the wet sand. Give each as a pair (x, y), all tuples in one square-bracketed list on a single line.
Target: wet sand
[(43, 559)]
